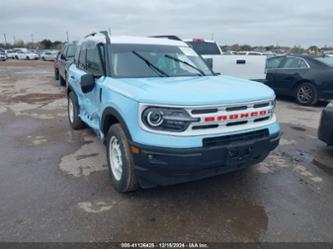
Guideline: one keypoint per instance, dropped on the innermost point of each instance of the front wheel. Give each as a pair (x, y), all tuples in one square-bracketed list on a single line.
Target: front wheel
[(306, 94), (120, 161), (73, 113)]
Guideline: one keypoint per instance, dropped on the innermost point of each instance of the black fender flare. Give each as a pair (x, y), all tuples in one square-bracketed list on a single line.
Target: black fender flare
[(113, 112)]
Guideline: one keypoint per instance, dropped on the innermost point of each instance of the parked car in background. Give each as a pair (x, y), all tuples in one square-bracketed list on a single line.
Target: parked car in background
[(26, 55), (66, 58), (162, 113), (56, 66), (240, 66), (307, 79), (11, 53), (49, 55), (3, 56), (325, 132)]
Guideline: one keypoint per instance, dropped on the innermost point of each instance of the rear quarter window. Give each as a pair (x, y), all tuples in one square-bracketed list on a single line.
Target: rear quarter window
[(273, 63), (205, 48)]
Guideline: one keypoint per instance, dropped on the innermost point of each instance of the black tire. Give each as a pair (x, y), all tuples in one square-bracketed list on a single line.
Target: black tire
[(306, 94), (28, 58), (75, 122), (56, 74), (127, 181), (62, 81)]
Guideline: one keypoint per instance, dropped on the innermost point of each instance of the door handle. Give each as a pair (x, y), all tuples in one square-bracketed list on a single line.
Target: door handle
[(72, 77)]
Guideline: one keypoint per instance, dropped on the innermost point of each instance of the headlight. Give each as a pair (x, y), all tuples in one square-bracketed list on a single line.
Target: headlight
[(273, 103), (167, 119)]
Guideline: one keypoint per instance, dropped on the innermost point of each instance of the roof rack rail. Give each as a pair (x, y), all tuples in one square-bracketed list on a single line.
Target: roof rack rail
[(170, 37), (104, 32)]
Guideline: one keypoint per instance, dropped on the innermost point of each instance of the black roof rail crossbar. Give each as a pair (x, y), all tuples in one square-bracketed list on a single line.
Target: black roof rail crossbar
[(104, 32), (91, 34), (170, 37)]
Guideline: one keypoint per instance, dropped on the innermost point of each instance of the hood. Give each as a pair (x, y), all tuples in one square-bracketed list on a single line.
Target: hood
[(210, 90)]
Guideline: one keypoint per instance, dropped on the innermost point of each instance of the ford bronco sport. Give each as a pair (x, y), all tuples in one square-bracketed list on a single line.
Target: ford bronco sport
[(163, 115)]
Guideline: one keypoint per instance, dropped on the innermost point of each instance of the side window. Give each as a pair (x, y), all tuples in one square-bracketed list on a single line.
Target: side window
[(294, 63), (273, 63), (76, 57), (64, 51), (94, 65), (82, 59)]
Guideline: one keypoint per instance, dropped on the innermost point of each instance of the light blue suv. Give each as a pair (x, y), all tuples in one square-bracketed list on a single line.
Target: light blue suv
[(162, 113)]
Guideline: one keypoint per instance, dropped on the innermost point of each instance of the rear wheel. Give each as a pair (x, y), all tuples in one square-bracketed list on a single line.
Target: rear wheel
[(73, 113), (306, 94), (62, 81), (120, 161), (56, 74)]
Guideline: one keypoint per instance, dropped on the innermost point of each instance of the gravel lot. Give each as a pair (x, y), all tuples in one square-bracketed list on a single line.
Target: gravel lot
[(54, 185)]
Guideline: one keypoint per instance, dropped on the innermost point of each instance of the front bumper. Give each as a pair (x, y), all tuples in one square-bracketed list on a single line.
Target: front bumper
[(325, 131), (156, 166)]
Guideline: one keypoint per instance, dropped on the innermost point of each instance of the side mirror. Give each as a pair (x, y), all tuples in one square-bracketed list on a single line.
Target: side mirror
[(62, 57), (87, 83), (209, 62)]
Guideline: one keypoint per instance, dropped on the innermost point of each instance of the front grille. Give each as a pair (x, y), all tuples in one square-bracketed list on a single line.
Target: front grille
[(204, 111), (226, 140)]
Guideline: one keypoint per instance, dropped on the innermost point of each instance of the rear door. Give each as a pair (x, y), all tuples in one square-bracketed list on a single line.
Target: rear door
[(272, 67), (289, 72), (62, 62)]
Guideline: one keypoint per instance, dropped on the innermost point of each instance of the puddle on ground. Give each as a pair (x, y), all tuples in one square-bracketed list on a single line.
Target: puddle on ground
[(95, 207), (325, 168), (300, 108), (86, 160), (237, 220), (38, 97), (297, 128)]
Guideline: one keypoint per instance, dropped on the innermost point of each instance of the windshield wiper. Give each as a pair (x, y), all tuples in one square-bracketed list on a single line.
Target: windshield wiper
[(151, 65), (186, 63)]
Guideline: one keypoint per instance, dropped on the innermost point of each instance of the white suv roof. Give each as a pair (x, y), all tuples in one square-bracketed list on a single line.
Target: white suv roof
[(98, 37)]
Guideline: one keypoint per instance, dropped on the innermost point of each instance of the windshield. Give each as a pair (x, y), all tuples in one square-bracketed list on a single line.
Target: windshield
[(326, 60), (141, 61)]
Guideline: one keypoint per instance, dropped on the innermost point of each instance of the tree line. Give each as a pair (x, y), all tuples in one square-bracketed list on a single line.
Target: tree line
[(48, 44), (43, 44)]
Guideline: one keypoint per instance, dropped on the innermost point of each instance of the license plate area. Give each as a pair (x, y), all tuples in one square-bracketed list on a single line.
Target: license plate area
[(239, 154)]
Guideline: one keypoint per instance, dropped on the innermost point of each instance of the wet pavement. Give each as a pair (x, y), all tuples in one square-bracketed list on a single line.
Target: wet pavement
[(54, 185)]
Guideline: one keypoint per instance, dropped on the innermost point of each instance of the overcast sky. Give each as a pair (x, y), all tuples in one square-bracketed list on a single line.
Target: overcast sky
[(254, 22)]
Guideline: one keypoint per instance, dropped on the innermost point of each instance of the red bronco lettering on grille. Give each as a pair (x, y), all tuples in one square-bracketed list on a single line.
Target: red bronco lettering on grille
[(234, 117)]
